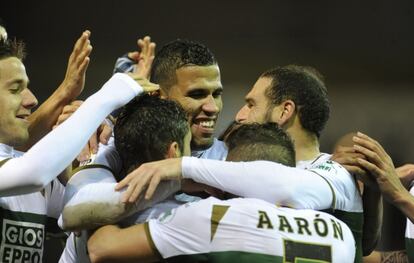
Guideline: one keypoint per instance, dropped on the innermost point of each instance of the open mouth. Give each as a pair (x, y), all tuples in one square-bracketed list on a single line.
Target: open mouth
[(205, 126)]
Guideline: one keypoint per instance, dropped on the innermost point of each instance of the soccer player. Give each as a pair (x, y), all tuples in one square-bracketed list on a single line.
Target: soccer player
[(238, 229), (147, 129), (27, 193), (187, 73), (295, 97)]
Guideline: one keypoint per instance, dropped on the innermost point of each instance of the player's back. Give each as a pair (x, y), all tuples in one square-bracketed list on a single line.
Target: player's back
[(250, 230)]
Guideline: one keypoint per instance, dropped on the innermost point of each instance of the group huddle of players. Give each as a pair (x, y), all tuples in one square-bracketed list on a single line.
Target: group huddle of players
[(160, 185)]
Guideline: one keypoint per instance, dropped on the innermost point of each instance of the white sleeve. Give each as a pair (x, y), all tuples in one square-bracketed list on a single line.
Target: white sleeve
[(269, 181), (47, 158), (347, 196), (99, 204)]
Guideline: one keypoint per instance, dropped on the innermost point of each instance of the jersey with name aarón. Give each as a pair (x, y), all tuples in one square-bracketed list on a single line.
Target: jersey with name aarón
[(249, 230)]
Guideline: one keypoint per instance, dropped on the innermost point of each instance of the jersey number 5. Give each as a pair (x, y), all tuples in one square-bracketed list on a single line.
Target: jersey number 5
[(300, 252)]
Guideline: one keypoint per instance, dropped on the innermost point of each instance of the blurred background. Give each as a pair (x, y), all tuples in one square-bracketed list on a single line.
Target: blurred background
[(363, 48)]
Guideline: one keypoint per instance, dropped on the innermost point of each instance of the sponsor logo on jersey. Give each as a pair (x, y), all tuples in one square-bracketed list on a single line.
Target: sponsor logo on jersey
[(21, 241)]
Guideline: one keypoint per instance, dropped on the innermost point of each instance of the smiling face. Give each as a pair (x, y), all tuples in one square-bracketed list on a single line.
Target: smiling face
[(258, 107), (16, 102), (198, 90)]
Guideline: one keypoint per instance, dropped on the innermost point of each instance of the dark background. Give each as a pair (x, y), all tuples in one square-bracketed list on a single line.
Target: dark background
[(363, 48)]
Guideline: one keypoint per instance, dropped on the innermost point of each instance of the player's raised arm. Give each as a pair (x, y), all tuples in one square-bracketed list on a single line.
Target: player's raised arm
[(43, 119)]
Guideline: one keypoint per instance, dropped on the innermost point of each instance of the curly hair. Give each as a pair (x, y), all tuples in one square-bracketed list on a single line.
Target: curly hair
[(306, 88)]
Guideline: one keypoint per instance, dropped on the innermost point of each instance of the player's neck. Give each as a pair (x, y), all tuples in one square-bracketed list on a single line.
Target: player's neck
[(306, 144)]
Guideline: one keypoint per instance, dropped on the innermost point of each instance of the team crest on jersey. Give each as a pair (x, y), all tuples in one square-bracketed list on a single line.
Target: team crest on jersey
[(167, 216), (21, 241)]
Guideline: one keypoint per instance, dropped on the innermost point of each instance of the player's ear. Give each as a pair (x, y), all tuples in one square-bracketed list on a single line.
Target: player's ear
[(173, 151), (287, 111)]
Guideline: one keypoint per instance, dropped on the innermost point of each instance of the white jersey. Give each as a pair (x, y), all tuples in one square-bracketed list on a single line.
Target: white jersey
[(409, 234), (321, 184), (249, 230), (26, 219)]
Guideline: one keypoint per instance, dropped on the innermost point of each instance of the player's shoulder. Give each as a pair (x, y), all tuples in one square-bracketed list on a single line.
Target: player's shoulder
[(326, 167)]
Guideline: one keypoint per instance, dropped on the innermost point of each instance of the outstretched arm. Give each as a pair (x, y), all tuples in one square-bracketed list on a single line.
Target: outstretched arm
[(113, 244), (29, 172), (269, 181), (43, 119)]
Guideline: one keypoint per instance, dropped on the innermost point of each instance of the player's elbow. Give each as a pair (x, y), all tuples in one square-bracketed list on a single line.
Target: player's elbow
[(97, 252), (99, 244)]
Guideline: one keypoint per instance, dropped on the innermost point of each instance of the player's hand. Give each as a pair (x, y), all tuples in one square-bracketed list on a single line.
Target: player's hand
[(139, 61), (74, 81), (142, 70), (348, 158), (146, 57), (379, 164), (148, 176)]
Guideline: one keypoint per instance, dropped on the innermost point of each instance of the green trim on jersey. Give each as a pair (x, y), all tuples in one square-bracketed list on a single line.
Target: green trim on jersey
[(151, 242), (2, 162), (333, 204), (355, 221), (409, 248), (217, 214), (239, 257), (22, 216)]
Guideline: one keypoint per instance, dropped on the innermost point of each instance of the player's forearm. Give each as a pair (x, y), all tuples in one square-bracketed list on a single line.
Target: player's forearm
[(29, 172), (112, 244), (269, 181), (372, 203), (98, 204)]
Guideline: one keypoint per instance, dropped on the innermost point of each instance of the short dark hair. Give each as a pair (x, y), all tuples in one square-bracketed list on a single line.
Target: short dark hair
[(175, 55), (306, 88), (145, 129), (266, 141), (12, 48)]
